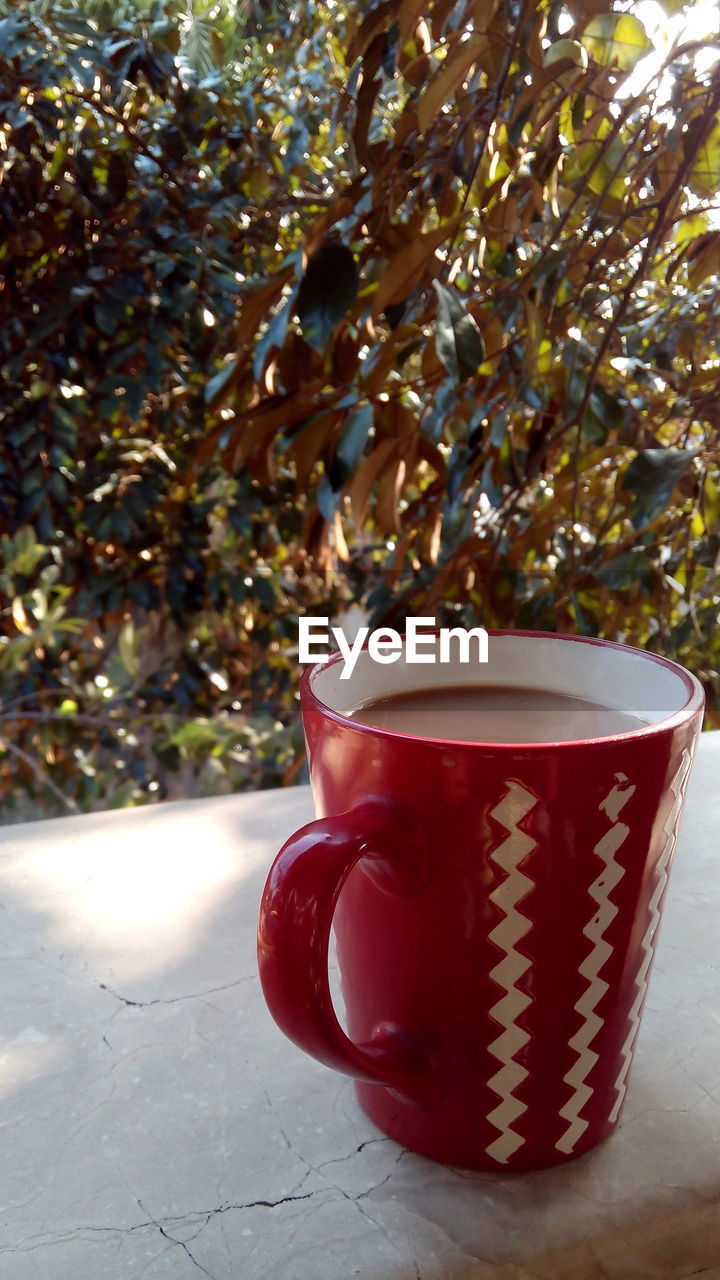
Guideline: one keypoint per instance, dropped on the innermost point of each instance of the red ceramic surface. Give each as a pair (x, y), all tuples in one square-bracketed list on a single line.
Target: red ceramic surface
[(496, 911)]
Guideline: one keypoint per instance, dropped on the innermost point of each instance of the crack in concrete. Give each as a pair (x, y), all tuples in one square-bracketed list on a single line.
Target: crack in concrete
[(309, 1168), (89, 1115), (319, 1169), (44, 1241), (163, 1225), (270, 1204), (194, 995), (342, 1159), (173, 1240), (363, 1195), (203, 1217)]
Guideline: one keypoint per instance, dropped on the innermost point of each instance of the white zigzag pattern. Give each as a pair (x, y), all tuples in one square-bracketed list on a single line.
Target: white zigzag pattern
[(677, 788), (515, 804), (600, 890)]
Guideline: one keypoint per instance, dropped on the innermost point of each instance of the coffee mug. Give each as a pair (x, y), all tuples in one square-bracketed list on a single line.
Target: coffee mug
[(495, 905)]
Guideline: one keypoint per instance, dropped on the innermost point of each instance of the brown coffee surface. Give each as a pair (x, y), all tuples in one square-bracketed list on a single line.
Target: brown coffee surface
[(495, 713)]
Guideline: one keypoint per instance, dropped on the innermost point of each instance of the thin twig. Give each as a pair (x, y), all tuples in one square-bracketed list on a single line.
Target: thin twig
[(39, 773), (496, 99), (45, 716)]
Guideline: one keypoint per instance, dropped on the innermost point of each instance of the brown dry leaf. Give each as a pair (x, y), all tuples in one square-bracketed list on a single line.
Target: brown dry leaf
[(406, 269), (398, 559), (665, 170), (415, 72), (430, 453), (535, 331), (324, 553), (345, 357), (366, 475), (341, 546), (394, 236), (261, 424), (404, 424), (390, 489), (431, 368), (704, 260), (308, 445), (501, 223), (409, 13), (528, 97), (316, 536), (410, 457), (341, 208), (256, 306), (264, 468), (434, 538), (483, 12), (294, 364), (585, 9), (373, 24), (268, 378), (526, 206), (447, 79), (440, 13), (399, 344), (366, 98), (436, 594), (493, 334), (536, 196), (449, 201), (494, 54), (704, 377)]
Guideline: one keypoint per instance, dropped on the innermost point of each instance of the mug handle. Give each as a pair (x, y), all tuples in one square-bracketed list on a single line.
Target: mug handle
[(296, 914)]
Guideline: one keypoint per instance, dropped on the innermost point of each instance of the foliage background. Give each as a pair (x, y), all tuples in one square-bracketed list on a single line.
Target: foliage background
[(303, 305)]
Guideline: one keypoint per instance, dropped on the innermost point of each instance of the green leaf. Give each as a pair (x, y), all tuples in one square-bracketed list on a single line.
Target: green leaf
[(327, 499), (117, 179), (651, 477), (108, 313), (458, 340), (689, 228), (610, 412), (51, 319), (75, 25), (196, 733), (625, 569), (350, 446), (355, 436), (274, 335), (705, 173), (218, 383), (10, 38), (327, 291), (616, 38), (128, 649), (492, 491)]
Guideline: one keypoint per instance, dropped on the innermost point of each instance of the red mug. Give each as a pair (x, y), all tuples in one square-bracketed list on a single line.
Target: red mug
[(495, 906)]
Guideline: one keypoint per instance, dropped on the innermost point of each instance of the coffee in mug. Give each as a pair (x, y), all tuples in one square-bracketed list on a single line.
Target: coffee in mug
[(495, 713)]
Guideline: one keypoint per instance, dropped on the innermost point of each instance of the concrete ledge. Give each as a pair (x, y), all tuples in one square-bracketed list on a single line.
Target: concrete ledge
[(156, 1124)]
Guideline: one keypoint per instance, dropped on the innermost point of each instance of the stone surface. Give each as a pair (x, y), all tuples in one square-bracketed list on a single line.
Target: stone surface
[(157, 1124)]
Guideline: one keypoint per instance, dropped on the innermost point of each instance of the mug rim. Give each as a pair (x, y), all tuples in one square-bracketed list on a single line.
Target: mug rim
[(694, 702)]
